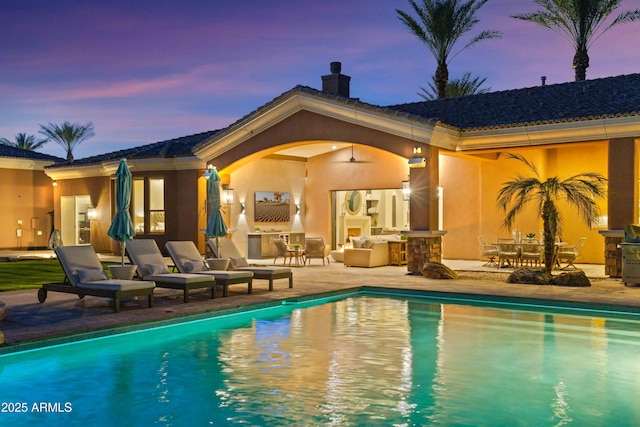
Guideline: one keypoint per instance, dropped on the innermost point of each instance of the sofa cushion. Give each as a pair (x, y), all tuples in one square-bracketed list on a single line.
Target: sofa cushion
[(368, 243)]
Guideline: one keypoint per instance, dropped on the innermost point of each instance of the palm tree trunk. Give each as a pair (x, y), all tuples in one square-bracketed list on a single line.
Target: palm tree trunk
[(549, 230), (581, 63), (442, 78)]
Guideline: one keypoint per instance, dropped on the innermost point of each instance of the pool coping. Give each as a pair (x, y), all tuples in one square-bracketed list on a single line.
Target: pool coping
[(450, 297)]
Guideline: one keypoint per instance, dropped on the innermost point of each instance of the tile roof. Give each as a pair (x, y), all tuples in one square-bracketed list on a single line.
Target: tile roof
[(20, 153), (574, 101), (171, 148)]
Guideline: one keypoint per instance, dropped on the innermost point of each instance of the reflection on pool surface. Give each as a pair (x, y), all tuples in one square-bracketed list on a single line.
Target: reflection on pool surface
[(357, 361)]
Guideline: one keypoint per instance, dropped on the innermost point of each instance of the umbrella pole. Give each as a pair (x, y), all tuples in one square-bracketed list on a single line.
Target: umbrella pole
[(122, 246)]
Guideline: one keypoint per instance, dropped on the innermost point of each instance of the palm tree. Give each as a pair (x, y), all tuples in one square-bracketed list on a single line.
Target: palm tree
[(455, 87), (442, 24), (579, 191), (581, 21), (24, 141), (68, 135)]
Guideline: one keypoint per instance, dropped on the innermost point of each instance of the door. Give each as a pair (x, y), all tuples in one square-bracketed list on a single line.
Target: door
[(75, 226)]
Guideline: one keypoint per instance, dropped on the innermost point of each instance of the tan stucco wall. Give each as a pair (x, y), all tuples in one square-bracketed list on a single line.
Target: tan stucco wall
[(27, 195), (471, 186)]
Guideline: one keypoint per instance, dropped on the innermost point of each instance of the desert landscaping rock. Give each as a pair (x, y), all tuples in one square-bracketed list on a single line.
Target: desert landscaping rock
[(436, 270)]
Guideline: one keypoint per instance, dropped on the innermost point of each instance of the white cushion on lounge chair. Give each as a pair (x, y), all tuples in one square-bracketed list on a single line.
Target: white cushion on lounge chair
[(115, 284), (91, 274)]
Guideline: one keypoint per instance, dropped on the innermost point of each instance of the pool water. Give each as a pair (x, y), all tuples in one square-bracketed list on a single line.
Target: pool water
[(361, 360)]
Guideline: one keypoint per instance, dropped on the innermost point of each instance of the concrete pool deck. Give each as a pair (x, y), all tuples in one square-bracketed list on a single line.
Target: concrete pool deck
[(63, 315)]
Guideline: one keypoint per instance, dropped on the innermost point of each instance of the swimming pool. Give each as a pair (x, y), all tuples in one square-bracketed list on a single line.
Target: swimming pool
[(356, 360)]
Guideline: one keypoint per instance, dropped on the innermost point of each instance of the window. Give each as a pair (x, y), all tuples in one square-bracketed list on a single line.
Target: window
[(147, 203)]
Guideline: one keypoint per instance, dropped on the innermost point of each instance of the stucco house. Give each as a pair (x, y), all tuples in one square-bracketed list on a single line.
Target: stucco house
[(321, 147), (27, 214)]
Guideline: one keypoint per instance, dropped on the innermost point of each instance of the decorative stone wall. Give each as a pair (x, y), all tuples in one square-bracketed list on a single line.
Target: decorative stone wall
[(612, 254), (423, 247)]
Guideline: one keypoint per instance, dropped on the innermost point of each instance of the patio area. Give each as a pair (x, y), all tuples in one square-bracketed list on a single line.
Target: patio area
[(27, 321)]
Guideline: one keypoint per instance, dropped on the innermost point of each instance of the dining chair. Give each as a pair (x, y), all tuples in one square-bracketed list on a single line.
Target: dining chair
[(508, 252), (489, 251), (531, 252), (569, 254)]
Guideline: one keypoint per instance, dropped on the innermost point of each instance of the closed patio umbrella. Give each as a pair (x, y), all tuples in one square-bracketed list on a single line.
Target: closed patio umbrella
[(121, 229), (215, 224)]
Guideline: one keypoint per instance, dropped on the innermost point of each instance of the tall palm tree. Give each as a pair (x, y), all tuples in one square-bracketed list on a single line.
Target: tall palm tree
[(441, 24), (455, 87), (581, 21), (24, 141), (579, 191), (68, 135)]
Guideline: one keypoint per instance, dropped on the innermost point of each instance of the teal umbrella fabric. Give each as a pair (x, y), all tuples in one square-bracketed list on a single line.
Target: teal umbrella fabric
[(121, 229), (215, 223)]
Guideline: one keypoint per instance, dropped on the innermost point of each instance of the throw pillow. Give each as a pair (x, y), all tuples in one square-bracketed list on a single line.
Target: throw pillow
[(357, 242), (193, 266), (238, 263), (368, 243), (91, 275), (155, 269)]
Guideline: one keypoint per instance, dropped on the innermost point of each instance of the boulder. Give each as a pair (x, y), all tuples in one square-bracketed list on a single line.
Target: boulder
[(572, 278), (531, 276), (436, 270)]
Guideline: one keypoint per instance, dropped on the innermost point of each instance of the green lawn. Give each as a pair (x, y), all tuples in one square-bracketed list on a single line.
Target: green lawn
[(29, 274)]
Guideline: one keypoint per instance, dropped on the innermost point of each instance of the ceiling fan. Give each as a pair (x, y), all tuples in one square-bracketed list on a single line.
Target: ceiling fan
[(353, 159)]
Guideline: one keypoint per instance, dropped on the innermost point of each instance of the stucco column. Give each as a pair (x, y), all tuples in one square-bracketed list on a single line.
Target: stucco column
[(622, 206), (424, 240), (423, 203), (623, 183)]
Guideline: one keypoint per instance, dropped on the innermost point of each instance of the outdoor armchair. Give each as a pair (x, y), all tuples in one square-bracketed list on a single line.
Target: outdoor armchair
[(85, 276), (150, 265), (314, 247)]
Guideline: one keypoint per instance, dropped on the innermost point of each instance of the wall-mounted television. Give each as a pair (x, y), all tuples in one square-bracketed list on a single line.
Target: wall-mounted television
[(272, 206)]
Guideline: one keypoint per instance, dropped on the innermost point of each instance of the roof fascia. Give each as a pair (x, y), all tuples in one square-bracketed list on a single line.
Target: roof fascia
[(552, 133), (347, 111), (24, 164), (109, 168)]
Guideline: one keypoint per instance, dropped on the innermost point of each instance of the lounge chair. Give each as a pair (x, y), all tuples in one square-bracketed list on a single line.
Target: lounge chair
[(150, 265), (85, 276), (238, 262), (186, 257)]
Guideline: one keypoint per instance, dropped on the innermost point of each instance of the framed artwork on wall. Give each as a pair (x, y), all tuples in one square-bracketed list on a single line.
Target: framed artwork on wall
[(272, 206)]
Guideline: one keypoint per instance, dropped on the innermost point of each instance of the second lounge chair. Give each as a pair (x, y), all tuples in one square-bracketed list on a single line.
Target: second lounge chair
[(150, 265), (186, 257)]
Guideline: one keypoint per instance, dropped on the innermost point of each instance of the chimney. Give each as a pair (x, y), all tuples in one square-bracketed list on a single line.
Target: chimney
[(336, 83), (544, 80)]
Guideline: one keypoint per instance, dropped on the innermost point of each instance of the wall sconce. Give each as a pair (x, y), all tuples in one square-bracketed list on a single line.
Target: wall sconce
[(297, 209), (241, 208), (92, 213), (207, 173), (54, 183), (417, 162), (227, 194), (406, 190)]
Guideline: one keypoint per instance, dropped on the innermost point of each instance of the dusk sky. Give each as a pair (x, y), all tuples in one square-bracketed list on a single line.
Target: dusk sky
[(144, 71)]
